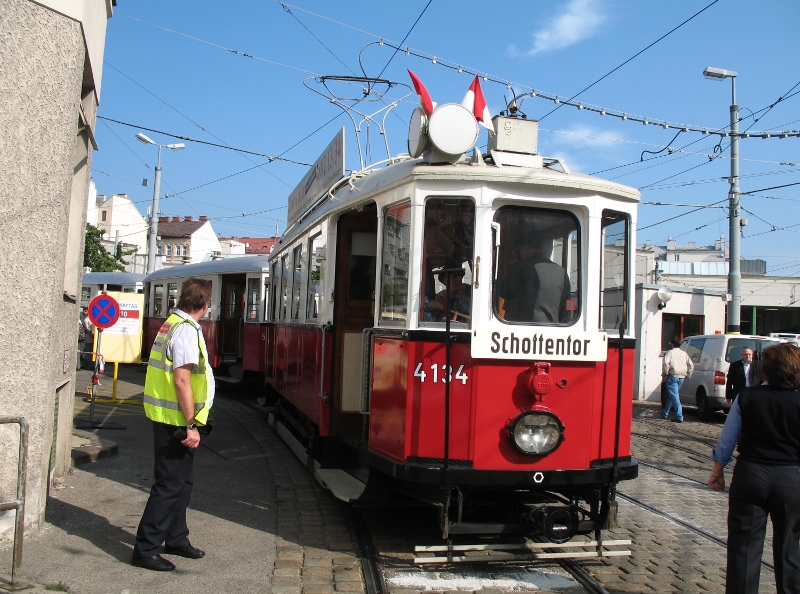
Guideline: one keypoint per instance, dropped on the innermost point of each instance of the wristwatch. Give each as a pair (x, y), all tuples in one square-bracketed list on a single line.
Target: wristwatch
[(191, 426)]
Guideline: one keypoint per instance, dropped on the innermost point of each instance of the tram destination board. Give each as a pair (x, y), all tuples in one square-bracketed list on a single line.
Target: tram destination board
[(103, 311)]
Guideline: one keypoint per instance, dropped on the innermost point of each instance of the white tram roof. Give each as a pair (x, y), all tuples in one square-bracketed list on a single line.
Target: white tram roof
[(241, 265), (415, 170), (112, 278)]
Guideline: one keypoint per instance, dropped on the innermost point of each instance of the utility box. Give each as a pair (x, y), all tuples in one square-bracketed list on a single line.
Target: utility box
[(515, 135)]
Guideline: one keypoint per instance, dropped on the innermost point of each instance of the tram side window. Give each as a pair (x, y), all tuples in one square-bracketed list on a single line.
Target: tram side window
[(253, 299), (614, 270), (284, 303), (316, 256), (274, 307), (537, 266), (394, 271), (297, 277), (158, 301), (172, 296), (266, 301), (448, 244), (210, 307)]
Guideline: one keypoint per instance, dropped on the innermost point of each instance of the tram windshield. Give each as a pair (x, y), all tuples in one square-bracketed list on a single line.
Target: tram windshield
[(448, 247), (536, 266)]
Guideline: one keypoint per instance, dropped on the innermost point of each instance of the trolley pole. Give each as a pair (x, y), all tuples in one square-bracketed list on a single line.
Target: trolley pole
[(735, 275), (151, 241)]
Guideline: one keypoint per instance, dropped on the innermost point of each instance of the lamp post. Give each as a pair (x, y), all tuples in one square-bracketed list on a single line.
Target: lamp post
[(734, 269), (153, 230)]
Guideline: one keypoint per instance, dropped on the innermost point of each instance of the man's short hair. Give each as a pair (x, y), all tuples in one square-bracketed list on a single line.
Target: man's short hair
[(745, 348), (674, 341), (195, 293)]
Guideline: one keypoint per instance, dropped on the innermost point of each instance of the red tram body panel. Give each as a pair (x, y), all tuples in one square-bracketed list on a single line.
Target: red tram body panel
[(407, 411)]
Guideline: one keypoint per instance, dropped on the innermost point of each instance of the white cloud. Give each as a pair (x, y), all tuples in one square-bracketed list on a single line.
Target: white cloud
[(579, 20), (585, 137)]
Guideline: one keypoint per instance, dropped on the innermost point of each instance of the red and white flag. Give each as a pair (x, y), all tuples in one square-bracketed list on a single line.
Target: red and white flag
[(424, 98), (476, 103)]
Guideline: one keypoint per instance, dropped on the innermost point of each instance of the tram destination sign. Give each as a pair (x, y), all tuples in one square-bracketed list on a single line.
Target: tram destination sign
[(327, 169), (539, 343)]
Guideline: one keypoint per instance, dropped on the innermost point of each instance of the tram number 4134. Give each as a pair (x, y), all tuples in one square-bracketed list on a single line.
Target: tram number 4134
[(445, 376)]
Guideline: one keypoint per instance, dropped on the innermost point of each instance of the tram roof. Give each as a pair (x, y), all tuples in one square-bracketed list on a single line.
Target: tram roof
[(415, 170), (112, 278), (224, 266)]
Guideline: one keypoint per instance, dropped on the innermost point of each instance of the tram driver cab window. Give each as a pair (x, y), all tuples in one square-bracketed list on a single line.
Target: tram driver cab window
[(448, 245), (536, 267)]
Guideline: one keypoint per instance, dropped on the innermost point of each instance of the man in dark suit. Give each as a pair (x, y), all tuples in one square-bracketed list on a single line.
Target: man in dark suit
[(741, 374)]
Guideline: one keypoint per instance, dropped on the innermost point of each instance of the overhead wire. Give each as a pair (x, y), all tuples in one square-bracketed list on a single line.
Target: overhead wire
[(637, 54), (322, 43), (183, 115), (486, 77), (214, 144)]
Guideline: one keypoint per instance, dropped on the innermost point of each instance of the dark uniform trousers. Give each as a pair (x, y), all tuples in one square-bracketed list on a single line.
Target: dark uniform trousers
[(164, 517), (758, 490)]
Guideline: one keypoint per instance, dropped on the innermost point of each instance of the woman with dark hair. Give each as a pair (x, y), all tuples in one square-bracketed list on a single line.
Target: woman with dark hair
[(766, 480)]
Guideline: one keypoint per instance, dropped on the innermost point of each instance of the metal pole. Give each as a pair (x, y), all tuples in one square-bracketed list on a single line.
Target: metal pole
[(151, 243), (734, 275), (96, 376)]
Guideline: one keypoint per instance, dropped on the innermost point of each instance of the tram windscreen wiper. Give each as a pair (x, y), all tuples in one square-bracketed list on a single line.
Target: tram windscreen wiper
[(496, 239)]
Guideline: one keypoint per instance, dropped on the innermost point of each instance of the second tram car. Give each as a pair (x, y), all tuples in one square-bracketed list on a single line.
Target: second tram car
[(460, 332), (234, 326)]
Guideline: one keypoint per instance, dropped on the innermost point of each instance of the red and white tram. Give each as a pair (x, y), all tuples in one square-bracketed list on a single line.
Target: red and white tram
[(234, 326), (532, 414)]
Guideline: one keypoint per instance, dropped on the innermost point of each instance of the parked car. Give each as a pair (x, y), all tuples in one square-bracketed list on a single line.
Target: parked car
[(712, 354), (793, 338)]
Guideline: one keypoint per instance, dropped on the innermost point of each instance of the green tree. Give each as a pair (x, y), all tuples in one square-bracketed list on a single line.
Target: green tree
[(96, 257)]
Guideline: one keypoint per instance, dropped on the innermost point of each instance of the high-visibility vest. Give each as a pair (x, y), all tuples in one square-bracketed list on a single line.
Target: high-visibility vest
[(160, 396)]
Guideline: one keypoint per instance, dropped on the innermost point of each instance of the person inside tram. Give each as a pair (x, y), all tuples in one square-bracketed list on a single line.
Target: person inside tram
[(535, 289), (460, 300)]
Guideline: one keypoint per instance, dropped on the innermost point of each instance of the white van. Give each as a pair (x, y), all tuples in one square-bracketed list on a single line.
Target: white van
[(712, 354)]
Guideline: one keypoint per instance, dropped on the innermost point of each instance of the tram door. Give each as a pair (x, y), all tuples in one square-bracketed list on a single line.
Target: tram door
[(354, 310), (231, 317)]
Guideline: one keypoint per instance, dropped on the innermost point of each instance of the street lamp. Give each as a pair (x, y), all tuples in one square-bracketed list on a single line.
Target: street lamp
[(153, 231), (734, 269)]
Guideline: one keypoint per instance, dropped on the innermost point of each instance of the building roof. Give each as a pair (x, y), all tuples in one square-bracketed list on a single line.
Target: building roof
[(112, 278), (255, 245), (178, 228), (224, 266)]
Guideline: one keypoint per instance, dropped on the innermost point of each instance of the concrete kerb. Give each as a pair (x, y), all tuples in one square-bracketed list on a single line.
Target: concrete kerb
[(96, 449)]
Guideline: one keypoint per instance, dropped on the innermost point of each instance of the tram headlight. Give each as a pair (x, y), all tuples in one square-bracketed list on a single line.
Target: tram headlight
[(536, 433)]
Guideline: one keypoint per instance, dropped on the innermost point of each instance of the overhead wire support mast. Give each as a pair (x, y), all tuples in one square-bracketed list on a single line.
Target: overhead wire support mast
[(734, 268)]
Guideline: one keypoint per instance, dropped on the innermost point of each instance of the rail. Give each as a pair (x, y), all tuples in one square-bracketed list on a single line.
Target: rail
[(18, 504)]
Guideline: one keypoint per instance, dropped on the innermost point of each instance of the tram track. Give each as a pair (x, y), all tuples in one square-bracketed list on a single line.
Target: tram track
[(373, 575), (683, 523)]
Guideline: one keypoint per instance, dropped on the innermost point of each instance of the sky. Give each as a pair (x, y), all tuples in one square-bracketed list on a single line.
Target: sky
[(232, 73)]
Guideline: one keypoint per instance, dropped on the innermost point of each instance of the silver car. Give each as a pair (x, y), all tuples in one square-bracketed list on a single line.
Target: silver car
[(712, 354)]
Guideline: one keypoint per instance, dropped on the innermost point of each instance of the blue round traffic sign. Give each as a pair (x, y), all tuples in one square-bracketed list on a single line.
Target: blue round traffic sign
[(103, 311)]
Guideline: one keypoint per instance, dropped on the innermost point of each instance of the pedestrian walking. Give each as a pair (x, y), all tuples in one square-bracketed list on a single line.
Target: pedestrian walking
[(88, 339), (766, 479), (677, 366), (178, 395)]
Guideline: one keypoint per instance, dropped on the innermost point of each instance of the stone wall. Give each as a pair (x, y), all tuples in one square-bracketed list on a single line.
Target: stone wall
[(44, 166)]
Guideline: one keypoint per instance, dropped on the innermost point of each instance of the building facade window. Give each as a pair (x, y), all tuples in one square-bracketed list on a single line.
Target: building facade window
[(680, 326), (103, 216)]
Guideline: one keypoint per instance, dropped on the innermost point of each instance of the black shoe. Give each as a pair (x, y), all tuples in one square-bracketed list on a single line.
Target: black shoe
[(154, 563), (677, 420), (187, 551)]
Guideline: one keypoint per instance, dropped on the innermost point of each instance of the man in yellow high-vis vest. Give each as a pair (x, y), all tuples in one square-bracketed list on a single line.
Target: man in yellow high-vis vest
[(178, 394)]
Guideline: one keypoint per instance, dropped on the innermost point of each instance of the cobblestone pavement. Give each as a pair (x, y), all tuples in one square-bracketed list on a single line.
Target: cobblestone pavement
[(316, 550)]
